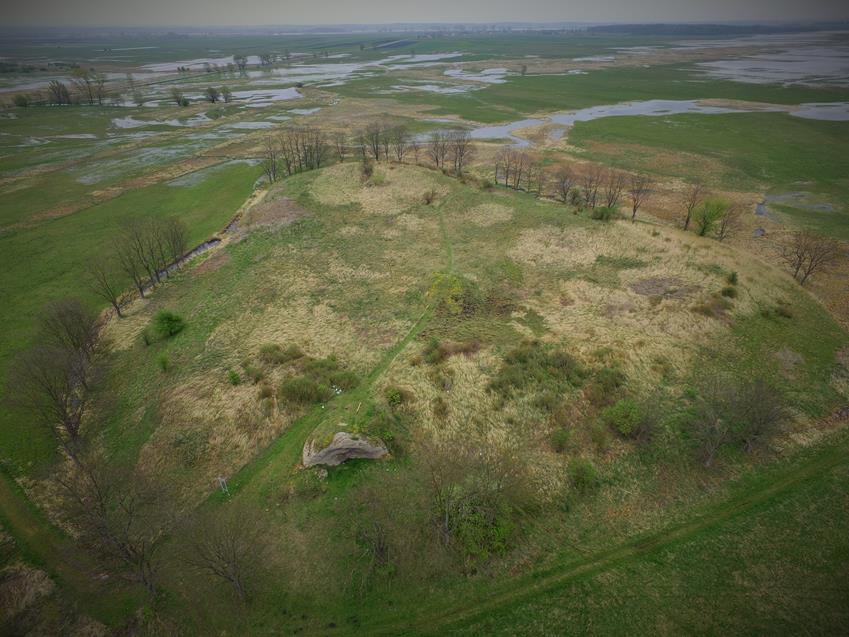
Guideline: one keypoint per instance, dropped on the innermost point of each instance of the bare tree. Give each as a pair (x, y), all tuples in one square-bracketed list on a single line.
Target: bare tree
[(414, 147), (44, 381), (564, 183), (591, 182), (399, 138), (270, 162), (118, 517), (460, 148), (639, 189), (693, 197), (176, 237), (241, 63), (129, 263), (103, 285), (372, 138), (438, 148), (68, 324), (340, 143), (58, 93), (807, 253), (212, 94), (729, 223), (52, 380), (226, 94), (614, 183), (228, 546)]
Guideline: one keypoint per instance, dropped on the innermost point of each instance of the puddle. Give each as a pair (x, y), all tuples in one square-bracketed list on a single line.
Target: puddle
[(829, 111), (487, 76), (442, 89), (250, 125), (132, 122), (257, 98), (303, 111), (837, 111), (200, 176), (163, 67)]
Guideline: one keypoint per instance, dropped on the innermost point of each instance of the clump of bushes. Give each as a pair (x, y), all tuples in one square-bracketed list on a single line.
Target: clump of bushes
[(396, 396), (233, 377), (252, 371), (168, 323), (304, 391), (429, 196), (273, 354), (560, 440), (729, 292), (317, 381), (732, 278), (604, 386), (583, 475), (603, 213), (435, 351), (624, 416), (534, 363)]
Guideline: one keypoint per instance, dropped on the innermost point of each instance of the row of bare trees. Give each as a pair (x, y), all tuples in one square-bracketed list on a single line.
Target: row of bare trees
[(117, 515), (446, 150), (295, 150), (145, 251), (588, 189), (301, 148)]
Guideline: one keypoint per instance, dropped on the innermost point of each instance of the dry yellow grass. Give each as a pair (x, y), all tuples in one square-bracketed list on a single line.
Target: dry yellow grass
[(488, 214), (403, 187)]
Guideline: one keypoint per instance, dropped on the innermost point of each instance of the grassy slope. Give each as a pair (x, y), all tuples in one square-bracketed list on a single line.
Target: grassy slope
[(773, 150), (717, 573), (49, 261)]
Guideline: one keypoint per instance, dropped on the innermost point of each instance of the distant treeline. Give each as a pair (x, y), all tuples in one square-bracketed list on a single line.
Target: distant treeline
[(711, 29)]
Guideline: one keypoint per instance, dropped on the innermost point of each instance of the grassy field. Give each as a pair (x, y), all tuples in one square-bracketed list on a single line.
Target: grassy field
[(488, 338), (770, 151), (522, 96), (191, 424)]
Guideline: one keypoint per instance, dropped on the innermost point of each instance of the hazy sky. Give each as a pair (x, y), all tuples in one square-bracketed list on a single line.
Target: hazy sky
[(274, 12)]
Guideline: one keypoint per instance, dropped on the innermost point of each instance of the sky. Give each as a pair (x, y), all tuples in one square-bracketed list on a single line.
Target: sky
[(157, 13)]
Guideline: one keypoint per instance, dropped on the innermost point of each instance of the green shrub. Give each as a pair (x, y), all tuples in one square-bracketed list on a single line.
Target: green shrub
[(583, 475), (600, 436), (624, 416), (603, 213), (536, 364), (732, 278), (729, 292), (168, 323), (560, 440), (21, 100), (304, 391), (273, 354), (602, 389), (708, 215), (265, 392), (395, 396), (163, 362), (233, 377), (253, 372)]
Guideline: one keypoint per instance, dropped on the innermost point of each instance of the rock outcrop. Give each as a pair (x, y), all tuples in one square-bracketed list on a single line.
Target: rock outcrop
[(344, 446)]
